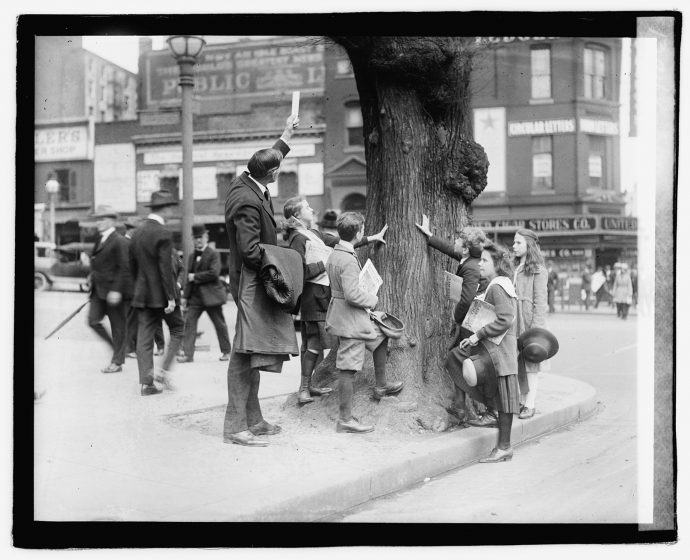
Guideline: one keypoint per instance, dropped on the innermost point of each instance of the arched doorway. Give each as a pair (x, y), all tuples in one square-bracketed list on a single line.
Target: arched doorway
[(354, 202)]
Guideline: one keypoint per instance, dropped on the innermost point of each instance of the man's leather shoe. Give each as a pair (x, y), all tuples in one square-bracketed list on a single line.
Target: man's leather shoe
[(525, 413), (245, 438), (131, 355), (225, 357), (388, 389), (159, 352), (497, 455), (184, 359), (304, 396), (319, 391), (352, 426), (265, 429), (147, 390), (486, 420), (162, 380), (112, 368)]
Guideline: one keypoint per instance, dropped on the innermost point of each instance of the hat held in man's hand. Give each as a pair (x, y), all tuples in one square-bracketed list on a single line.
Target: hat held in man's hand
[(537, 344)]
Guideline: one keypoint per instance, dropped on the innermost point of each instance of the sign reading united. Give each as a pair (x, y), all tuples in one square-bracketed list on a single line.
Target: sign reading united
[(239, 69)]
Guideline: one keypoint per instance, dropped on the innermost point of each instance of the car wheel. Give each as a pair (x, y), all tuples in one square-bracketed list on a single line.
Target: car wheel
[(41, 283)]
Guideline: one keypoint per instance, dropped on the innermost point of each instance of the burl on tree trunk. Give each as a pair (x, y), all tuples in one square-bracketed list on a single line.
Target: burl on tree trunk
[(421, 158)]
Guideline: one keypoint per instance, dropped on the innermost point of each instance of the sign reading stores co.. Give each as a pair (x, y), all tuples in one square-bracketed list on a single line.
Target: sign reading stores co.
[(562, 126), (60, 144)]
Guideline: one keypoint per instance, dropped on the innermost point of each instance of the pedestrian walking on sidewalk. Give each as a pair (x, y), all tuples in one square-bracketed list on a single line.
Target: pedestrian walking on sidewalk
[(586, 286), (497, 357), (204, 291), (264, 333), (552, 286), (466, 249), (316, 293), (530, 282), (131, 312), (348, 318), (622, 292), (110, 284), (598, 286), (156, 294)]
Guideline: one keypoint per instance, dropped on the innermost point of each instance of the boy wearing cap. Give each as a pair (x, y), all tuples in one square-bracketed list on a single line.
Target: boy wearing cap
[(204, 292), (348, 318)]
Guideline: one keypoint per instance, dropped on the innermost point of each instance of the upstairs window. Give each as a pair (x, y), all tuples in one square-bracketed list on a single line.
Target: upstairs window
[(354, 124), (597, 162), (542, 162), (540, 67), (595, 73)]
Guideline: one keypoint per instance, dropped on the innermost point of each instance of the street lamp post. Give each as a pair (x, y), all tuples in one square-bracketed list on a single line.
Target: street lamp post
[(186, 49), (52, 188)]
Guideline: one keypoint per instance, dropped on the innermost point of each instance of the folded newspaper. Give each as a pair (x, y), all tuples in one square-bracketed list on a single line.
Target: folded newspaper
[(369, 279), (452, 286), (479, 315), (315, 252)]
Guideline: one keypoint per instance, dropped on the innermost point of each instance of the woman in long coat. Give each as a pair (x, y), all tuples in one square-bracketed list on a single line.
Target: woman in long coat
[(530, 282), (622, 292), (495, 266)]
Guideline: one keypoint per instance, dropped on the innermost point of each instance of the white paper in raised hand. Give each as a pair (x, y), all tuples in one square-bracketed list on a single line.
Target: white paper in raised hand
[(295, 103)]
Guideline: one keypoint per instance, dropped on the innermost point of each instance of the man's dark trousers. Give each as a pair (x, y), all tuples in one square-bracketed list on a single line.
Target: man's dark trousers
[(192, 315), (150, 319), (98, 309), (243, 408), (133, 328)]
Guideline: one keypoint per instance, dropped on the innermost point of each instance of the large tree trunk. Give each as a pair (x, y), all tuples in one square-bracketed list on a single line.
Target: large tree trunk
[(414, 94)]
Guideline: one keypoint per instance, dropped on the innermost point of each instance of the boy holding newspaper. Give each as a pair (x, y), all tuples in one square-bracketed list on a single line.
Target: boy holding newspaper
[(348, 318)]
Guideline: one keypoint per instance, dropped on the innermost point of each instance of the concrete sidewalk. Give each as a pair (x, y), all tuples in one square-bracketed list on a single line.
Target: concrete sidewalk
[(103, 452)]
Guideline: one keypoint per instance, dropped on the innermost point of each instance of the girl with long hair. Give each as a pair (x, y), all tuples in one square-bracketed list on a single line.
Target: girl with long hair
[(530, 282), (496, 355)]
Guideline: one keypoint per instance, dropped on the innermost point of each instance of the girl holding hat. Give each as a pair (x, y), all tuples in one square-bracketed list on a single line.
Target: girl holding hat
[(496, 357), (530, 280)]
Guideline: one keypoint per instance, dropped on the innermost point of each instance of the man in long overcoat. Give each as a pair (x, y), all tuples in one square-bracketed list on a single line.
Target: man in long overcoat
[(264, 334), (156, 295), (109, 282), (204, 291)]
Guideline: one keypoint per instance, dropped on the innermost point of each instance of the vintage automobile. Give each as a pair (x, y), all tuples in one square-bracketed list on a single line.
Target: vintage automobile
[(65, 264)]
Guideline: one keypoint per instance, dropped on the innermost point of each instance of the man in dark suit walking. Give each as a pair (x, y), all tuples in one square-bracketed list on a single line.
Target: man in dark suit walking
[(109, 277), (155, 298), (264, 334), (204, 292)]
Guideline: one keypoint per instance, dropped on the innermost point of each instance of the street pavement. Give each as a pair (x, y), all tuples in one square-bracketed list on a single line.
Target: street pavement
[(102, 452), (584, 473)]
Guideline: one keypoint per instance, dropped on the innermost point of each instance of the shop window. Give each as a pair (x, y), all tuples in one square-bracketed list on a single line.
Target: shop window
[(68, 184), (595, 73), (354, 124), (287, 185), (597, 162), (542, 162), (541, 72)]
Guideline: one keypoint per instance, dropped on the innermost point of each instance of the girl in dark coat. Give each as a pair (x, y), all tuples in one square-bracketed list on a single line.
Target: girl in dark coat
[(467, 249), (495, 266)]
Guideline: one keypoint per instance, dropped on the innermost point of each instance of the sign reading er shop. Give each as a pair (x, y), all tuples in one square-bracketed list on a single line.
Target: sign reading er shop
[(236, 69), (61, 143)]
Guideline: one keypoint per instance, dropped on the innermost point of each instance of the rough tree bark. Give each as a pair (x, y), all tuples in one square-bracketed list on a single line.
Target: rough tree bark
[(415, 100)]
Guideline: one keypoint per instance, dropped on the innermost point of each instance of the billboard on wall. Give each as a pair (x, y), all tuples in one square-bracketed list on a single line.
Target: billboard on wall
[(239, 70)]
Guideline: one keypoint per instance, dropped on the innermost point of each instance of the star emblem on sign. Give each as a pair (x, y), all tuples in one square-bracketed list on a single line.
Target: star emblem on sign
[(488, 121)]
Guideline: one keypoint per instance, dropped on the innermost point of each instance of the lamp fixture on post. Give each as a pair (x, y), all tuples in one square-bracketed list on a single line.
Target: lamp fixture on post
[(185, 49), (52, 188)]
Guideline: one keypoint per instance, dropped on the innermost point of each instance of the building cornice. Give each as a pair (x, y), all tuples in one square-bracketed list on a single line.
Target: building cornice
[(315, 131)]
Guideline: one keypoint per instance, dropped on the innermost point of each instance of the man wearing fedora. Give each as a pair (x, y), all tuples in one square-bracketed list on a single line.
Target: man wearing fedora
[(130, 312), (155, 298), (109, 285), (204, 291), (264, 333)]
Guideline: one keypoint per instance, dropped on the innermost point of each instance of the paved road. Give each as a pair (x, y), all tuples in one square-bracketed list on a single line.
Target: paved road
[(585, 473)]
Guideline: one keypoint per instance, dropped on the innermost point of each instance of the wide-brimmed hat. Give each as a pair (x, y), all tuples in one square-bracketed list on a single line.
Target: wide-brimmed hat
[(131, 222), (329, 219), (537, 344), (389, 324), (481, 367), (159, 199), (198, 230), (103, 211)]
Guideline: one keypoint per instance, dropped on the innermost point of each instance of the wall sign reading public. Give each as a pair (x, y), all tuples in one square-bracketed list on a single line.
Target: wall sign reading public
[(239, 69)]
